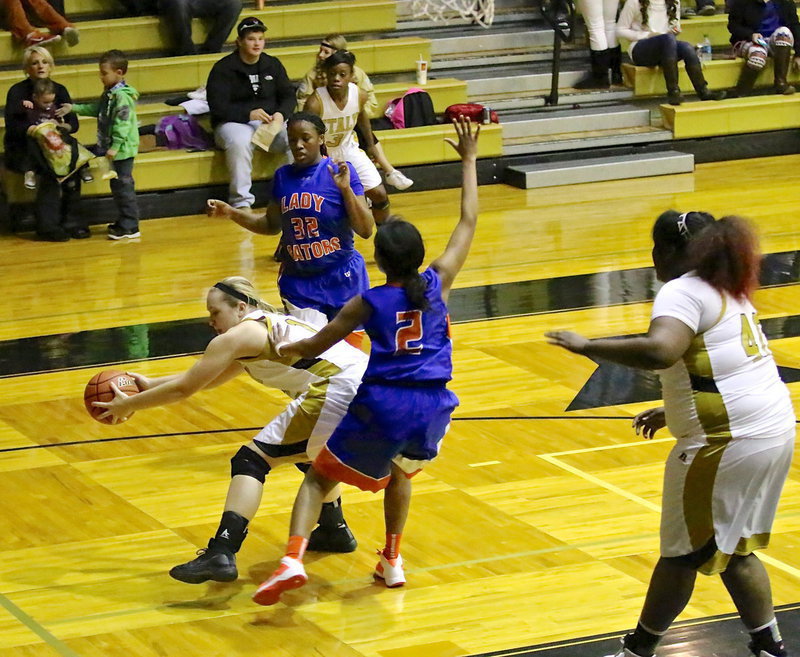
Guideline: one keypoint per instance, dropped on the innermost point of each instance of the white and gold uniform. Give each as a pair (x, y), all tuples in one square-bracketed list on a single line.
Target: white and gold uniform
[(340, 137), (321, 388), (734, 423)]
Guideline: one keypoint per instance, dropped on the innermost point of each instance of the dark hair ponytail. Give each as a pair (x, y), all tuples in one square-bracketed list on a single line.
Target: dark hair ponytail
[(726, 256), (400, 251), (675, 230)]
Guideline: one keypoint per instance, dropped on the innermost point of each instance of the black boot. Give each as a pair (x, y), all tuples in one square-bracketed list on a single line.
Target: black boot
[(695, 73), (218, 561), (598, 78), (615, 64), (332, 534), (670, 69), (747, 79), (783, 55)]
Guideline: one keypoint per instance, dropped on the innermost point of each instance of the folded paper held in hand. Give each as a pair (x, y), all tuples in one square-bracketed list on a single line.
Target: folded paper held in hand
[(266, 133)]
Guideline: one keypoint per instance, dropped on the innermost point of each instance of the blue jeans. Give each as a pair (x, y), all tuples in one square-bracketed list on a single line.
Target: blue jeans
[(654, 51)]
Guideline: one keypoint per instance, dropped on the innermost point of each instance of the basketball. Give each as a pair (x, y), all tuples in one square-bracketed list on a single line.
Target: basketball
[(99, 389)]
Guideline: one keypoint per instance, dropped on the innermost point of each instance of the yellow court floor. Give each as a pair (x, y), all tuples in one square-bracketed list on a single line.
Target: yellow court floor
[(537, 524)]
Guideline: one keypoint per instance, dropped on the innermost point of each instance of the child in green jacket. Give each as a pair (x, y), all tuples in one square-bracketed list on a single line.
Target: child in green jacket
[(117, 138)]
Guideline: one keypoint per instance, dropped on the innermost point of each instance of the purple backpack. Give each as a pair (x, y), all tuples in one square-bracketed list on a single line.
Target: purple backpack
[(182, 131)]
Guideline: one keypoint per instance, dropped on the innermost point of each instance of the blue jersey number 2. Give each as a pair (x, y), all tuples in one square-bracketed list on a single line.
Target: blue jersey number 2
[(409, 329)]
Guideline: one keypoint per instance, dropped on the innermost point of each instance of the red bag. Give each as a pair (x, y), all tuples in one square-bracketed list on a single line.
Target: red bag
[(471, 111)]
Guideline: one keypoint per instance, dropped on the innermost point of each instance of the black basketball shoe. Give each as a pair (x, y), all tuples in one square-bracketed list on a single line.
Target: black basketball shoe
[(326, 539), (217, 565)]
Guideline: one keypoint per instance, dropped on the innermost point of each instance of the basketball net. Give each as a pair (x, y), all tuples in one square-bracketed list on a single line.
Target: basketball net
[(480, 12)]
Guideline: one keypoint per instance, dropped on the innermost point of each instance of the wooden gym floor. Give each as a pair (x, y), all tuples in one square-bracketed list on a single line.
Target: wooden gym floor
[(537, 526)]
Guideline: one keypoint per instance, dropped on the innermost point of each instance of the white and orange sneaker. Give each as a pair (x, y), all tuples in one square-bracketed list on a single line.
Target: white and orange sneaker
[(390, 571), (289, 575)]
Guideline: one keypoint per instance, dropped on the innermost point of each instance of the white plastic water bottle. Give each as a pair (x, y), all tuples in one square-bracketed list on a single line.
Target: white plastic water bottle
[(705, 50)]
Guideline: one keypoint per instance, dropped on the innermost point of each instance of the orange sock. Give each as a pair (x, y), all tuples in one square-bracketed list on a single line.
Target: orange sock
[(392, 548), (296, 547)]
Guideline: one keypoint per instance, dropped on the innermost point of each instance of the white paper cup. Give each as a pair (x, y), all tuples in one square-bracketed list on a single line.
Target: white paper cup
[(422, 72)]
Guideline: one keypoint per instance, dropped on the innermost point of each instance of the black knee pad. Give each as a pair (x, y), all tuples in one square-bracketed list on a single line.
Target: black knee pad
[(381, 206), (247, 462)]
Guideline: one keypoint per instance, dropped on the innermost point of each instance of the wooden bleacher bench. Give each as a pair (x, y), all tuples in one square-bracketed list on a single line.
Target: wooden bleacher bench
[(162, 170), (283, 22), (732, 116), (166, 170), (720, 74), (169, 74), (444, 92), (74, 9), (426, 145)]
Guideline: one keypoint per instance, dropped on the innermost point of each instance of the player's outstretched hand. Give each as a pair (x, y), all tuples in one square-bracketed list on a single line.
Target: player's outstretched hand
[(467, 146), (215, 208), (279, 336), (648, 422), (340, 172), (114, 407), (568, 340)]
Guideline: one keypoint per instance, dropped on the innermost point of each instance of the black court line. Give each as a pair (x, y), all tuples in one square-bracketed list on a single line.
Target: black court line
[(713, 636), (115, 439), (127, 344)]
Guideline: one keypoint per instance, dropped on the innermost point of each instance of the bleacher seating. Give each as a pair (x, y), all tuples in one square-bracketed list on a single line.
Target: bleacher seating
[(77, 8), (296, 21), (158, 77), (170, 74), (732, 116), (443, 92), (161, 170), (720, 74)]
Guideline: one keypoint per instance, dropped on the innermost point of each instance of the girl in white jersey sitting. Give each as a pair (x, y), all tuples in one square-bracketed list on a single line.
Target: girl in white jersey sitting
[(321, 390), (315, 77), (341, 105), (730, 413)]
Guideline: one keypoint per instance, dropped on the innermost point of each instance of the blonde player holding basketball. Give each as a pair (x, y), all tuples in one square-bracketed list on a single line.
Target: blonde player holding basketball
[(732, 417), (341, 105), (321, 391)]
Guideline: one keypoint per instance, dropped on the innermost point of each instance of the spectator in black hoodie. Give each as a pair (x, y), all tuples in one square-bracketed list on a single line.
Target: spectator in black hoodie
[(246, 89)]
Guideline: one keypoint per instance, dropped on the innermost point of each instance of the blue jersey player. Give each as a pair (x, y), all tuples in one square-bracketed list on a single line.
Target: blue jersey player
[(402, 408), (317, 204)]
